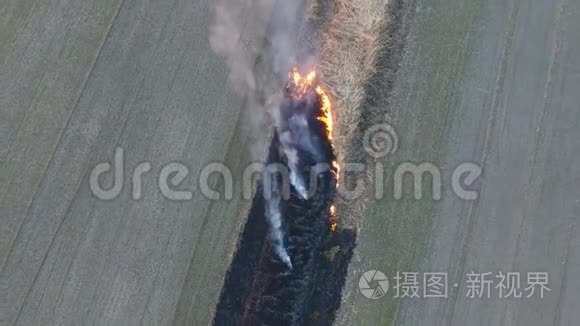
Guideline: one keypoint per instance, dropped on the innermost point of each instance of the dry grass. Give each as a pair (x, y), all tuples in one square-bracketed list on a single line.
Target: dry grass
[(350, 47), (351, 44)]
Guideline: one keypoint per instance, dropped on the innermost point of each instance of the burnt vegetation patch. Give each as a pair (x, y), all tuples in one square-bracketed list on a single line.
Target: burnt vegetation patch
[(260, 287), (260, 290)]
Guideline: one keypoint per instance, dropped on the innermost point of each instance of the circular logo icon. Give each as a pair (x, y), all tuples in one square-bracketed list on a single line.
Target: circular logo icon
[(381, 140), (373, 284)]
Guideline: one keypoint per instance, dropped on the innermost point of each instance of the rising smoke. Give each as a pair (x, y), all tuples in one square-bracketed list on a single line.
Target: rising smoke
[(242, 32), (297, 137), (274, 216), (294, 164)]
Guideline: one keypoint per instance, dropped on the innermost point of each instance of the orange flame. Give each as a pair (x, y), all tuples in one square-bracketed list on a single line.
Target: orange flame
[(336, 168), (332, 216), (326, 116), (302, 85)]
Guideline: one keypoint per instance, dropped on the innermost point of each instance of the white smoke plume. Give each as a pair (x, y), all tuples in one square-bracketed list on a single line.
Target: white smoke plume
[(291, 153), (295, 178), (297, 137), (274, 216), (242, 32)]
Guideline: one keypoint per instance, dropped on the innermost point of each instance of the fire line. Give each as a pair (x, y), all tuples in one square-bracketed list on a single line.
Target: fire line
[(299, 86)]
